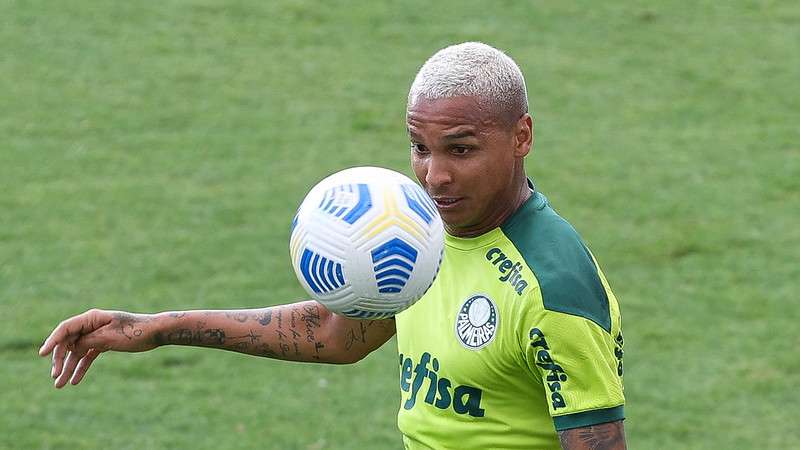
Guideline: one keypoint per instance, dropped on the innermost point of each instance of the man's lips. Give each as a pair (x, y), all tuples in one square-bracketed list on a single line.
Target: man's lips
[(446, 202)]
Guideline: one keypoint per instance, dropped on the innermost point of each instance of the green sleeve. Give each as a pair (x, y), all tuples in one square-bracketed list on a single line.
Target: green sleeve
[(577, 362)]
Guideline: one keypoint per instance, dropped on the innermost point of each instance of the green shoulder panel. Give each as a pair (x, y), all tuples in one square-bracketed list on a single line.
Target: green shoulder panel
[(559, 259)]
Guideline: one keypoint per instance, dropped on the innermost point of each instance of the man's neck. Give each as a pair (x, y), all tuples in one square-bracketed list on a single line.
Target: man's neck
[(521, 193)]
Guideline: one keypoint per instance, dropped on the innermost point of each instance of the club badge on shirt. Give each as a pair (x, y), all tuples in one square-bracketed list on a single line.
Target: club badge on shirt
[(476, 322)]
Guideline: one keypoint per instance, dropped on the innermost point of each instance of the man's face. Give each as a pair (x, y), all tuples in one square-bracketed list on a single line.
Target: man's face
[(465, 158)]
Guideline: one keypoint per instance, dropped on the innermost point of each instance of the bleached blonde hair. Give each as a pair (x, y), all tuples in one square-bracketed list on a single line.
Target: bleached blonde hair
[(477, 70)]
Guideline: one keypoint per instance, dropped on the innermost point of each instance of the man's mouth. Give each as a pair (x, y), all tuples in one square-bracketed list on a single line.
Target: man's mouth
[(445, 202)]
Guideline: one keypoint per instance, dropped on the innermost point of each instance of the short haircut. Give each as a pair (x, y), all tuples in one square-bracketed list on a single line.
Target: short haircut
[(477, 70)]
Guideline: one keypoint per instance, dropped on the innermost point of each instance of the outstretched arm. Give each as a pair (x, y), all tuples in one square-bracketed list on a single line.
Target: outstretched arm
[(605, 436), (304, 331)]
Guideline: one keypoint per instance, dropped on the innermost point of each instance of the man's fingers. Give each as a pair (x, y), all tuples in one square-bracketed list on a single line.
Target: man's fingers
[(48, 345), (62, 331), (58, 335), (84, 365), (69, 368), (58, 360), (69, 353), (74, 327)]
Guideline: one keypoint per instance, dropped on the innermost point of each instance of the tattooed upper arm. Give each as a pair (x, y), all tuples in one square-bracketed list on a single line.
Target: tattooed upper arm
[(605, 436)]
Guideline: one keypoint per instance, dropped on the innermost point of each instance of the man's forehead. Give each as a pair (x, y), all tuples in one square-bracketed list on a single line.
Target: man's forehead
[(456, 114), (447, 132)]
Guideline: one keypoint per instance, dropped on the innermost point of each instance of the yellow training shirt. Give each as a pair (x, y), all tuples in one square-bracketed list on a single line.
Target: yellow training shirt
[(519, 336)]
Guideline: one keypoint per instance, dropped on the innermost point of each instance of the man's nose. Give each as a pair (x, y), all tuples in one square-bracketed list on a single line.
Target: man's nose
[(439, 172)]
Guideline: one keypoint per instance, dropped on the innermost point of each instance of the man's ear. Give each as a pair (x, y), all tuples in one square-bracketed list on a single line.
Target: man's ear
[(523, 136)]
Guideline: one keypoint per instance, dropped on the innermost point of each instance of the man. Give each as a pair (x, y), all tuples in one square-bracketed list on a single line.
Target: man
[(517, 344)]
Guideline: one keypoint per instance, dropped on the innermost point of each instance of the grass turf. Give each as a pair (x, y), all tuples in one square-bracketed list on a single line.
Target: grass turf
[(152, 155)]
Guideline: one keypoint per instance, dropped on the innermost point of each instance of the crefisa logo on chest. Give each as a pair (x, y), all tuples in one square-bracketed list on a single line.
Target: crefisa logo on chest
[(476, 322)]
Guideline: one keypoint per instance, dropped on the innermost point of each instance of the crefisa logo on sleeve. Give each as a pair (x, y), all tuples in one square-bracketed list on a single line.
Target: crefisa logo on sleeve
[(476, 322)]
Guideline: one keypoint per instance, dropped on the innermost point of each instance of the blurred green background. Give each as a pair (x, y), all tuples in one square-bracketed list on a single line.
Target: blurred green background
[(152, 155)]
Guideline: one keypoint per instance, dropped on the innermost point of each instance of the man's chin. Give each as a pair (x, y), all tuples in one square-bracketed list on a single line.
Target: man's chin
[(452, 220), (460, 228)]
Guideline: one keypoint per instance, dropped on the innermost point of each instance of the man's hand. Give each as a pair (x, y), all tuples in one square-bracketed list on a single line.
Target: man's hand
[(81, 339)]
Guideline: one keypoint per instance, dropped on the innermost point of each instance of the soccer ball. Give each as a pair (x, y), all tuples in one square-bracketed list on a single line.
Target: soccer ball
[(366, 242)]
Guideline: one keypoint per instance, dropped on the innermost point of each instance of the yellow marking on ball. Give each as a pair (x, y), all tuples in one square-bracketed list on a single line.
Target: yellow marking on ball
[(392, 216), (294, 247)]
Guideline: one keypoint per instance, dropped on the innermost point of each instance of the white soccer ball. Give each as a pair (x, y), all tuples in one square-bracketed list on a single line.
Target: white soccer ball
[(366, 242)]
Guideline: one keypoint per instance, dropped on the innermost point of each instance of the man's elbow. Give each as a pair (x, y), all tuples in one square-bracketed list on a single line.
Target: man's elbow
[(347, 358), (349, 341)]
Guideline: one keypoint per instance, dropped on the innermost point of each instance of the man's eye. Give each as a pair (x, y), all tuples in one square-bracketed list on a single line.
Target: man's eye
[(419, 148), (460, 149)]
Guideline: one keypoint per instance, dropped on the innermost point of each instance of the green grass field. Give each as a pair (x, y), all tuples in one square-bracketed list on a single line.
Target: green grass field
[(152, 155)]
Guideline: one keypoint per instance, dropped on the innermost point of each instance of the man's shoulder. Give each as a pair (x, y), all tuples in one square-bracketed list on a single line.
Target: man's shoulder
[(537, 219), (566, 272)]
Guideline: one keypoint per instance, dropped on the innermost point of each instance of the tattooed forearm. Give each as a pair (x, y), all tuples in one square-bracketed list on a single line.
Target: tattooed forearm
[(309, 332), (207, 337), (312, 321), (283, 343), (129, 325), (607, 436), (357, 334), (251, 336), (238, 316), (184, 336), (266, 350), (264, 318)]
